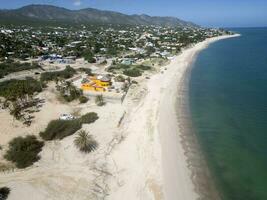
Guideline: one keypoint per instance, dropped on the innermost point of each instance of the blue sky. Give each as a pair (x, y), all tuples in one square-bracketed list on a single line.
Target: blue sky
[(215, 13)]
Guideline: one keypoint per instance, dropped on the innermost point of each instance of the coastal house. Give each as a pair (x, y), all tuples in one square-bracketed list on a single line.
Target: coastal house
[(98, 83)]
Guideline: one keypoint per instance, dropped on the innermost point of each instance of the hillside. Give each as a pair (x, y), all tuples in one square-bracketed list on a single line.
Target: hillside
[(48, 13)]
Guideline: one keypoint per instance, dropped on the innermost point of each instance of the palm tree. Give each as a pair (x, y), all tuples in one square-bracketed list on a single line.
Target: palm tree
[(99, 100), (85, 142)]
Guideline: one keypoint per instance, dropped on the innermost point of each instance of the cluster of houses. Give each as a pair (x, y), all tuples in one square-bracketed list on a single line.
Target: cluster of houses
[(65, 44), (54, 58)]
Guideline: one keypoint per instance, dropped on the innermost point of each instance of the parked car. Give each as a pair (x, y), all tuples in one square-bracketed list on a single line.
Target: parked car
[(66, 117)]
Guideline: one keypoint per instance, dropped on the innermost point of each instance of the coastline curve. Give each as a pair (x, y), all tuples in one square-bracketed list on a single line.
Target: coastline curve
[(184, 165)]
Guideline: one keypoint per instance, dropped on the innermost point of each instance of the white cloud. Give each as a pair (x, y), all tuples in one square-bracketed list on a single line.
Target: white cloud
[(77, 2)]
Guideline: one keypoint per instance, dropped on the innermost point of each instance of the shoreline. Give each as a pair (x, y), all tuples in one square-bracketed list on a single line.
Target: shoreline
[(189, 171), (149, 156)]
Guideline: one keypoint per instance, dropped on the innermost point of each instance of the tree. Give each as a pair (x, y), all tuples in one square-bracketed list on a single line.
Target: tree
[(70, 92), (24, 151), (83, 99), (89, 57), (85, 142), (99, 100), (4, 192)]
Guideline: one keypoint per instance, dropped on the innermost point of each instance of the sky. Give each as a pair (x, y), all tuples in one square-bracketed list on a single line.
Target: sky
[(209, 13)]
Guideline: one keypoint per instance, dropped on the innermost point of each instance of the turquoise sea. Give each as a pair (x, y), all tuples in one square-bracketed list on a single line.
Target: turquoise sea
[(228, 106)]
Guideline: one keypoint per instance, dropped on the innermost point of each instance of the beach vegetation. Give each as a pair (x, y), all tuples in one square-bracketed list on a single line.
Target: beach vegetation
[(19, 96), (24, 151), (89, 57), (143, 67), (119, 78), (11, 67), (69, 92), (68, 72), (99, 100), (83, 99), (117, 67), (85, 142), (19, 89), (133, 72), (59, 129), (88, 118), (4, 192), (88, 71)]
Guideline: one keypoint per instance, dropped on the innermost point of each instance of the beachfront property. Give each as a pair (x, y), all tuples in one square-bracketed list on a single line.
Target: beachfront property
[(98, 83)]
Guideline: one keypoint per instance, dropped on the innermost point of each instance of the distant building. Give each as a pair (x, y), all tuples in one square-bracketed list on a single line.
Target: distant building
[(96, 83)]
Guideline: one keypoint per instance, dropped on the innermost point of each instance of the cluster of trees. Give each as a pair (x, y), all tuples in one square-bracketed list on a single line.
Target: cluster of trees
[(10, 67), (89, 56), (69, 92), (18, 96), (20, 48), (19, 89)]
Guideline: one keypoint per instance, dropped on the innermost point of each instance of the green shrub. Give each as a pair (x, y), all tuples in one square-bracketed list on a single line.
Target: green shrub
[(134, 72), (119, 78), (68, 72), (85, 142), (83, 99), (89, 118), (4, 192), (72, 93), (58, 129), (115, 67), (24, 151)]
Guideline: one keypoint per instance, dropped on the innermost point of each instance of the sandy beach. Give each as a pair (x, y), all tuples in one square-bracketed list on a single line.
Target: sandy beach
[(146, 157), (179, 148)]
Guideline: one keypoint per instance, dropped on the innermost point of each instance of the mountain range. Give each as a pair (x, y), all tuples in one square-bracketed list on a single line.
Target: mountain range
[(49, 13)]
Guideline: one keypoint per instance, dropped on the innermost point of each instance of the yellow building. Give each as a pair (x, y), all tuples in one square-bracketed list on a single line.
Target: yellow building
[(96, 83)]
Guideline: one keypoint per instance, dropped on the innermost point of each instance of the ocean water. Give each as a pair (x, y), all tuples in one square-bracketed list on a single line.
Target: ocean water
[(228, 106)]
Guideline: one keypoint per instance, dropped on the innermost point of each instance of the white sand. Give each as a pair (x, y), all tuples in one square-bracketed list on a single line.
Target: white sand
[(142, 159)]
